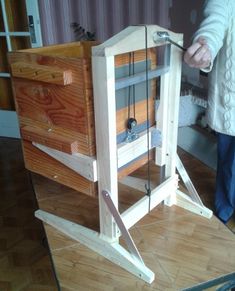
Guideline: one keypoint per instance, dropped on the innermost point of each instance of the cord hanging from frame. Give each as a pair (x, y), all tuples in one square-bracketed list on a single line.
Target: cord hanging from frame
[(131, 72), (131, 121), (148, 185)]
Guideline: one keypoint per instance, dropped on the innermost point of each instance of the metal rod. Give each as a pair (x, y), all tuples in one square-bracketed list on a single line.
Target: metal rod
[(163, 36), (140, 77), (176, 44)]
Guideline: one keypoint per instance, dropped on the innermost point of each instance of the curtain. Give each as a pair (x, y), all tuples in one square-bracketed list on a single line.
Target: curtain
[(103, 17)]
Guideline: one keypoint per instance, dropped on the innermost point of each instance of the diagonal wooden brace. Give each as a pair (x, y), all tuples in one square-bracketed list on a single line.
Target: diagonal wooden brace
[(125, 233)]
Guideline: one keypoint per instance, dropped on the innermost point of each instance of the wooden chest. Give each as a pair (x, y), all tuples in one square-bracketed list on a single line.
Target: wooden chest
[(54, 101)]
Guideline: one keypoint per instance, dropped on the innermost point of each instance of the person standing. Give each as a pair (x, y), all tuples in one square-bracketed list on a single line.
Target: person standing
[(213, 50)]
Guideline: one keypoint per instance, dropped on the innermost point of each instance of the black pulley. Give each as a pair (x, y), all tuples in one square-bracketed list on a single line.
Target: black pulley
[(131, 123)]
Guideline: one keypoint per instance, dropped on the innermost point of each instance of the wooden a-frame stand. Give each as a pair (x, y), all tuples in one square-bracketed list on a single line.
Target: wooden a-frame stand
[(111, 156)]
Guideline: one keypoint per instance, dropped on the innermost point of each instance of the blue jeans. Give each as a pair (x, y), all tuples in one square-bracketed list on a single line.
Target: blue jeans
[(225, 180)]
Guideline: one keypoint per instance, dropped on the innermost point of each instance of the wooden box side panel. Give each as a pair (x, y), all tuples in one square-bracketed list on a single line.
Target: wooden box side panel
[(66, 107), (57, 116), (53, 104), (40, 163), (77, 49)]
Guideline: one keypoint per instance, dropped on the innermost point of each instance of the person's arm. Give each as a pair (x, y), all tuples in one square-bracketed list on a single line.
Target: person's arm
[(209, 37)]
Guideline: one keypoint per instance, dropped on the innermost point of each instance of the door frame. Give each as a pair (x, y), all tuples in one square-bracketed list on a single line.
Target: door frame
[(9, 126)]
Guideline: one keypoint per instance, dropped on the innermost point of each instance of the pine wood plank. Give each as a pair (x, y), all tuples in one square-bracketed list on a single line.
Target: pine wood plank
[(131, 39), (50, 138), (49, 104), (41, 73), (41, 163), (81, 143), (78, 49), (128, 152), (106, 142), (83, 165), (100, 244)]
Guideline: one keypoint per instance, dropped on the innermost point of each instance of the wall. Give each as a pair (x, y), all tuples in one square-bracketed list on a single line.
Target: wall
[(104, 17), (185, 16), (108, 17)]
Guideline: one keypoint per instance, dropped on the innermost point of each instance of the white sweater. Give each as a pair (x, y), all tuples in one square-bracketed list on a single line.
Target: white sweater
[(218, 28)]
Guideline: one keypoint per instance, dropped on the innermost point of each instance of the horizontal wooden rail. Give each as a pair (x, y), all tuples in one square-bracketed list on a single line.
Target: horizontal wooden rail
[(50, 138), (138, 210), (41, 73)]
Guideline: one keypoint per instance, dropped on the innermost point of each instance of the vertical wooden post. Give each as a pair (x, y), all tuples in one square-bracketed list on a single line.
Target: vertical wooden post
[(167, 114), (173, 108), (161, 119), (106, 146), (171, 132)]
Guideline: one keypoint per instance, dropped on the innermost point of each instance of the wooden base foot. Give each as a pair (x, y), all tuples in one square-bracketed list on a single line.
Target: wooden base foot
[(112, 251)]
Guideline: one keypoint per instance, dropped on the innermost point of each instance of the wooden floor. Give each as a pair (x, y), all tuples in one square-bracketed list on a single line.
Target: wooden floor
[(182, 249), (24, 255)]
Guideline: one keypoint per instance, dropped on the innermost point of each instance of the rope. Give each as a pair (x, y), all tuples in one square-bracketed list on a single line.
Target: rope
[(131, 72), (147, 186)]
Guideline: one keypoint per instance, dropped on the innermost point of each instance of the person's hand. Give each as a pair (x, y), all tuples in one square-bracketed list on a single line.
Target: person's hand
[(198, 55)]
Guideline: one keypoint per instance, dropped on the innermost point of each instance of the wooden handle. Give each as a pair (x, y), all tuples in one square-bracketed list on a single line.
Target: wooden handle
[(41, 73), (50, 138)]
